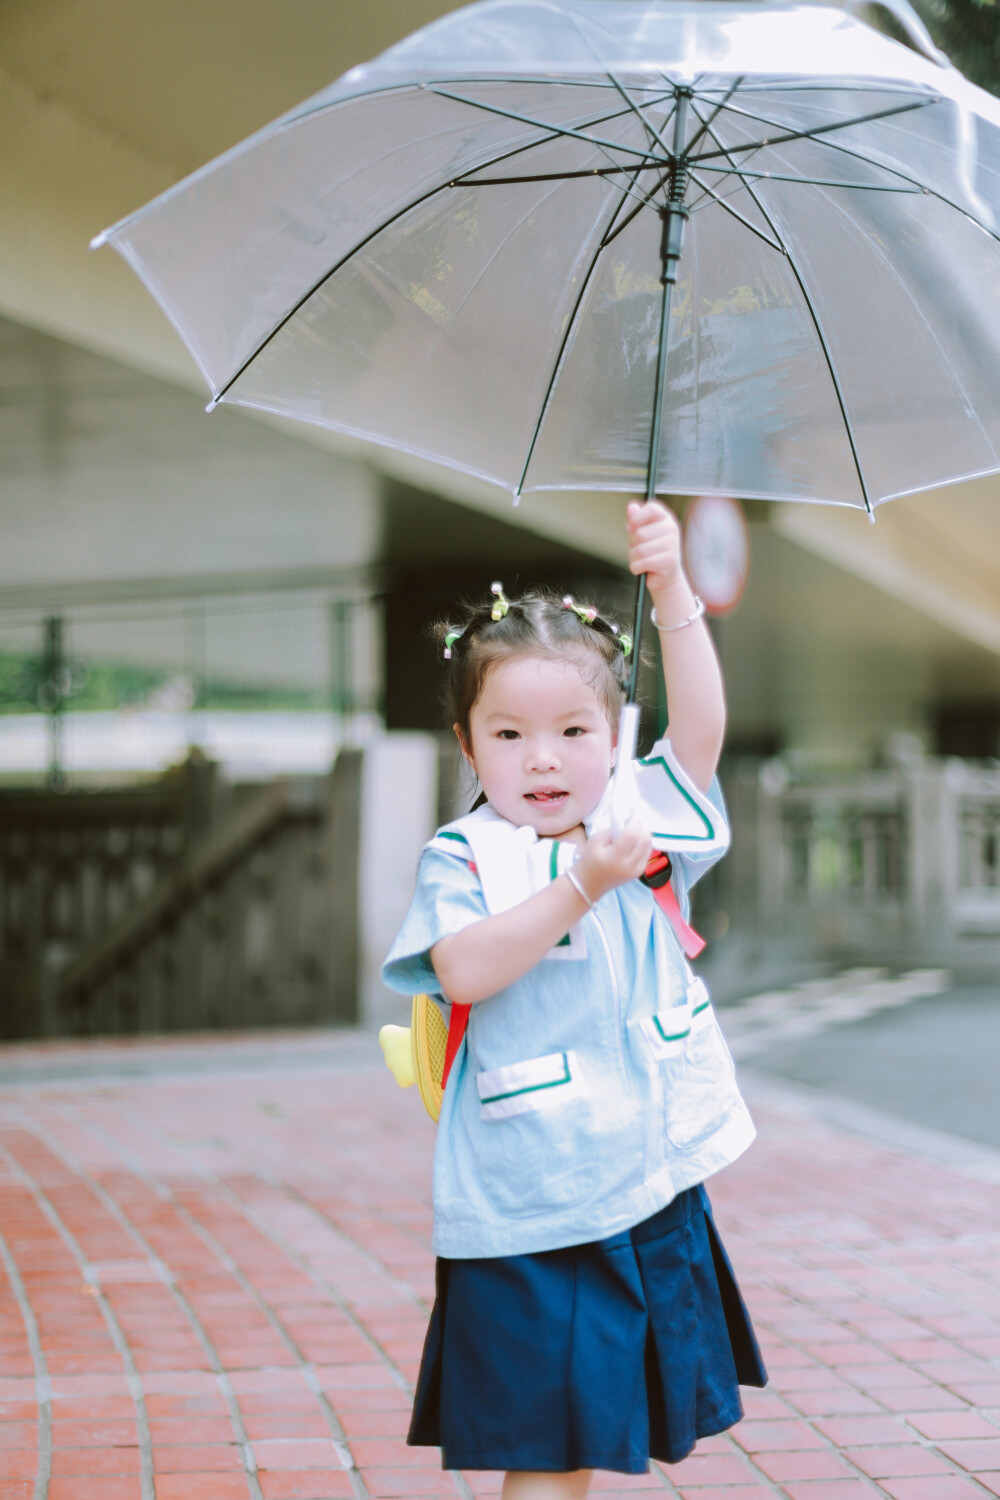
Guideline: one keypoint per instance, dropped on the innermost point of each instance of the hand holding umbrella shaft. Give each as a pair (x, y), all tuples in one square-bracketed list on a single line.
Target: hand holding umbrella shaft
[(609, 859), (696, 704), (490, 954)]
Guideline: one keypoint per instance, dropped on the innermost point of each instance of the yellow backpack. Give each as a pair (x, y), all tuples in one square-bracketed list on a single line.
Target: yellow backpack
[(423, 1052), (415, 1054)]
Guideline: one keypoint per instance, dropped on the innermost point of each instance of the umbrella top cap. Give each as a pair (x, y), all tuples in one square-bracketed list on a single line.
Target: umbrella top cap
[(683, 38)]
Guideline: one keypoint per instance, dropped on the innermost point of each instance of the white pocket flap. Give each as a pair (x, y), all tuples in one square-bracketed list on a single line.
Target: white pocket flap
[(539, 1083), (668, 1031)]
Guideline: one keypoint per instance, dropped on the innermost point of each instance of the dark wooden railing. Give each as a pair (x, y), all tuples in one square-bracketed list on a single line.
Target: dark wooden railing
[(182, 904)]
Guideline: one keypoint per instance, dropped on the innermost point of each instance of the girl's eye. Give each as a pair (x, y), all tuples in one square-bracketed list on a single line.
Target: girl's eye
[(509, 734), (575, 730)]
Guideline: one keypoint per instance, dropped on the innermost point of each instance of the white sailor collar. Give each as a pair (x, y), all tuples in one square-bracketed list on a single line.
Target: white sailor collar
[(513, 862)]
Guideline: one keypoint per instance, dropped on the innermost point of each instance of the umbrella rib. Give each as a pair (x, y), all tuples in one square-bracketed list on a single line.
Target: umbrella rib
[(603, 146), (483, 271), (559, 130), (711, 119), (736, 214), (433, 83), (288, 122), (647, 124), (891, 270), (571, 322), (466, 181), (612, 234), (754, 114), (917, 185), (821, 130), (384, 224), (862, 187), (553, 134), (838, 391), (567, 176), (793, 87)]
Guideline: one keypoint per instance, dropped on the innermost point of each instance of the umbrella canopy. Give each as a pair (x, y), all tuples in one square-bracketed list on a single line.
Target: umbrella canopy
[(466, 250)]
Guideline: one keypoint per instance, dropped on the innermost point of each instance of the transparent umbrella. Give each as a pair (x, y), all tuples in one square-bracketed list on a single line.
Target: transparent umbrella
[(655, 246)]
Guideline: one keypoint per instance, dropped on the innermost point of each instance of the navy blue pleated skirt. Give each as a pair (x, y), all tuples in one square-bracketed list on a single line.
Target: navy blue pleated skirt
[(599, 1356)]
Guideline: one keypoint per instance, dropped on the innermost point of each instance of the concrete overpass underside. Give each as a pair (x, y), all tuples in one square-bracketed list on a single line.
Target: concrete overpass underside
[(118, 493)]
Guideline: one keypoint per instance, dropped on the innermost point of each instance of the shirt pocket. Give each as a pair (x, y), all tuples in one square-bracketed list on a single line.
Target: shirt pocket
[(536, 1144), (699, 1079)]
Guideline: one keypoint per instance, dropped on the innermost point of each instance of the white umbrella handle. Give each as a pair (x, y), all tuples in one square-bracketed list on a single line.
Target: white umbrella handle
[(625, 804)]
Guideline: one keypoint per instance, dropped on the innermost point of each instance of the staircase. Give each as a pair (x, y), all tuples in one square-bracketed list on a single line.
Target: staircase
[(180, 905)]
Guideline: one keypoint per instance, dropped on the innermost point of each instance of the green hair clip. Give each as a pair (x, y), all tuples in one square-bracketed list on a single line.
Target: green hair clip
[(588, 614), (449, 641), (500, 605)]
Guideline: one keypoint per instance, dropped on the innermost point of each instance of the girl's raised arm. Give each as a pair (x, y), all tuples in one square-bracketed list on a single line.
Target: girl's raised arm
[(696, 702)]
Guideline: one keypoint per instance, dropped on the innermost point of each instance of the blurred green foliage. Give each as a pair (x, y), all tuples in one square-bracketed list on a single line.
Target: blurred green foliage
[(968, 31), (105, 686)]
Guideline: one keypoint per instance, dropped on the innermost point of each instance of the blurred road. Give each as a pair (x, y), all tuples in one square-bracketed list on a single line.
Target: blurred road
[(927, 1058)]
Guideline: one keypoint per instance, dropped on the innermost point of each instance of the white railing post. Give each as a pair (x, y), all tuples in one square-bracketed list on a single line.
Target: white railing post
[(926, 888)]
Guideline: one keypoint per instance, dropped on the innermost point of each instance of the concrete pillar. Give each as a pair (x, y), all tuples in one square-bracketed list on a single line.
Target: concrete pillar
[(399, 790), (931, 861)]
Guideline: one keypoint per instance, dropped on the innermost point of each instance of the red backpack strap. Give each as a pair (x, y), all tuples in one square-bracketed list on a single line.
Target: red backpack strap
[(657, 876), (456, 1028), (456, 1035)]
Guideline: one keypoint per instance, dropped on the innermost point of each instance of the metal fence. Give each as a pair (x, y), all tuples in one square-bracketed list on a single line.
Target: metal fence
[(126, 688), (904, 860)]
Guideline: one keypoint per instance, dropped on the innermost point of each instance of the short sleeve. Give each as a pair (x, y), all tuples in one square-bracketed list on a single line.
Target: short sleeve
[(690, 865), (447, 899)]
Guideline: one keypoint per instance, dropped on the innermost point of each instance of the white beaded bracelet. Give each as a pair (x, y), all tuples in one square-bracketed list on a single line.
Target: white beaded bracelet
[(699, 610), (574, 881)]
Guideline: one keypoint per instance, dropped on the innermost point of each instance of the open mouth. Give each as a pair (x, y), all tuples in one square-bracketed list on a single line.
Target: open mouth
[(547, 796)]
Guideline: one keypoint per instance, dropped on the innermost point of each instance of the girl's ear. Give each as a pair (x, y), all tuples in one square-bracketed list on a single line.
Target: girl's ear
[(464, 745)]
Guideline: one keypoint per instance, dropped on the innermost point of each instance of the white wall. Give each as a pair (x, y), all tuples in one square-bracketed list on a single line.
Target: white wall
[(399, 783)]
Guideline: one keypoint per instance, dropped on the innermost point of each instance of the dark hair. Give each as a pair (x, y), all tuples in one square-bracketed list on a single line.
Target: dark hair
[(537, 624)]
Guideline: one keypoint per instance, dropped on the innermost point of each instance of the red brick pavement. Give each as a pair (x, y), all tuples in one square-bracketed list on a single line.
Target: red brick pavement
[(214, 1282)]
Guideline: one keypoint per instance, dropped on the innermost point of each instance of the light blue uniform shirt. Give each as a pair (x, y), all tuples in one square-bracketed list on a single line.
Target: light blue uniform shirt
[(591, 1091)]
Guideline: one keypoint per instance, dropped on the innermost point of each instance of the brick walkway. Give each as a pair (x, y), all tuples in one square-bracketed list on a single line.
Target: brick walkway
[(215, 1274)]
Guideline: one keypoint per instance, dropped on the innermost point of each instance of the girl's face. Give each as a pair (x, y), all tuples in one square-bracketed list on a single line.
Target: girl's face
[(541, 744)]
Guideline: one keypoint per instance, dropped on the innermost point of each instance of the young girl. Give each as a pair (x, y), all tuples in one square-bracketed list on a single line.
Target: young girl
[(586, 1315)]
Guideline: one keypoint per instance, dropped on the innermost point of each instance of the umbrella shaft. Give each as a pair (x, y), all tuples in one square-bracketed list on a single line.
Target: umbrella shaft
[(674, 215), (654, 455)]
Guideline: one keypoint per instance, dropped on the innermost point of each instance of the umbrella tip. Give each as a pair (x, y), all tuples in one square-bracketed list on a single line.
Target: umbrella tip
[(212, 404), (99, 240), (871, 518)]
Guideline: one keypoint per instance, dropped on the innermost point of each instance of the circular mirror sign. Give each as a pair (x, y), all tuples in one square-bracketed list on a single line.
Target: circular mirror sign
[(717, 551)]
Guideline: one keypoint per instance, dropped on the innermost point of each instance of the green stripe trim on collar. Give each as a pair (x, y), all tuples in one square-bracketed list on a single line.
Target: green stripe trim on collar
[(694, 838), (459, 837), (534, 1088)]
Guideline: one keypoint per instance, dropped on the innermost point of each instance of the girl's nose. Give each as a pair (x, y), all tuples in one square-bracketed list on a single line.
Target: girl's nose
[(543, 755)]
